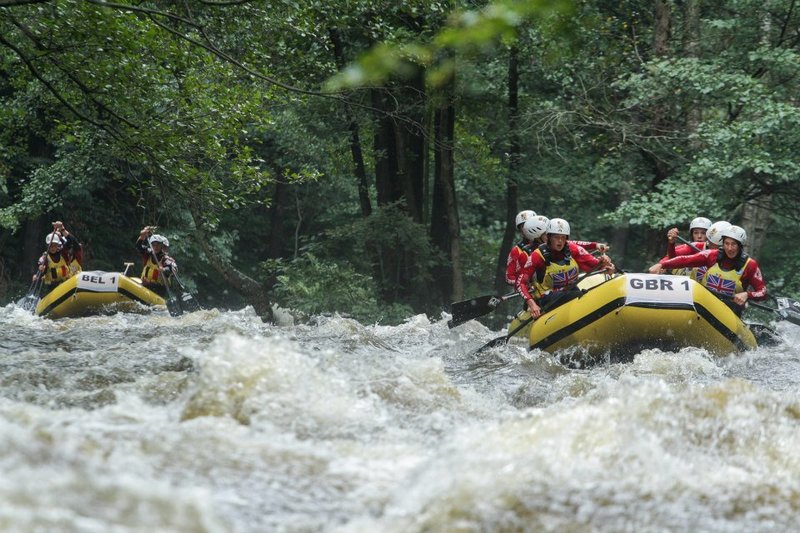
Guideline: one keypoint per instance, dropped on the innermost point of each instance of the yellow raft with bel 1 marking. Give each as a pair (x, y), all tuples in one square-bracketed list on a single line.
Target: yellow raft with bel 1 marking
[(628, 313), (97, 292)]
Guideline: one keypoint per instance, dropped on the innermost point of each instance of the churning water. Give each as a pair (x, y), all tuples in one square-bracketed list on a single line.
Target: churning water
[(215, 421)]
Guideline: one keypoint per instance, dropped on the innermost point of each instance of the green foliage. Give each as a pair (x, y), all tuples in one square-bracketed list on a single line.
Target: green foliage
[(470, 31), (316, 286), (388, 226)]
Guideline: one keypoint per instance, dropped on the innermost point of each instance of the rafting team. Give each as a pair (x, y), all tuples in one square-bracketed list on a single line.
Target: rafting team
[(543, 267), (64, 256)]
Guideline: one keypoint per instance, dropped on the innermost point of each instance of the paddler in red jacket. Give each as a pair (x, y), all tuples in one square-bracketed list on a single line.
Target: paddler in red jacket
[(555, 266), (711, 239), (519, 252), (729, 272), (534, 230), (698, 230)]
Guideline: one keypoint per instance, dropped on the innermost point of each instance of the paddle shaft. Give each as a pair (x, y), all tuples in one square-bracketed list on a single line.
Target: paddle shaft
[(504, 339), (691, 244), (38, 280), (467, 310), (175, 311)]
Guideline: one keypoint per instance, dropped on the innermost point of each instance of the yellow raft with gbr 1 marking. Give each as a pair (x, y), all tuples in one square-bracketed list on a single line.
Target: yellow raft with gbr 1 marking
[(97, 292), (628, 313)]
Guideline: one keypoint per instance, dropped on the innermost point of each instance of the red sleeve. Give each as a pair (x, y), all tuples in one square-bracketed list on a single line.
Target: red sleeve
[(585, 260), (671, 250), (752, 277), (704, 258), (511, 265), (589, 245), (535, 262), (685, 249)]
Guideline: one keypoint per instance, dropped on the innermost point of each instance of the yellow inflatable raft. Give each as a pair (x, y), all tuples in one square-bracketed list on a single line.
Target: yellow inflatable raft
[(91, 293), (621, 316)]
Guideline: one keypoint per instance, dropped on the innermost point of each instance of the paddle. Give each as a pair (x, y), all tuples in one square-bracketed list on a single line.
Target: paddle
[(173, 303), (787, 309), (550, 305), (30, 301), (691, 244), (187, 300), (468, 309)]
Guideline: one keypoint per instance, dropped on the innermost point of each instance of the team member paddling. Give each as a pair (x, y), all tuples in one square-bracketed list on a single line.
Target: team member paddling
[(712, 239), (158, 265), (554, 267), (730, 270), (61, 261)]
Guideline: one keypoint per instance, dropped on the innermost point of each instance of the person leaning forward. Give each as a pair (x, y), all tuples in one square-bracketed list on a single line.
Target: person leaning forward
[(158, 265), (730, 273), (555, 265)]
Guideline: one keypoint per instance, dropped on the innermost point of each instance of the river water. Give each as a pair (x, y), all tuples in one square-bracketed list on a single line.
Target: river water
[(215, 421)]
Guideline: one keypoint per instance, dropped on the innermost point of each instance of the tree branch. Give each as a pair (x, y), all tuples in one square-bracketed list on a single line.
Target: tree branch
[(36, 74), (12, 3), (87, 91)]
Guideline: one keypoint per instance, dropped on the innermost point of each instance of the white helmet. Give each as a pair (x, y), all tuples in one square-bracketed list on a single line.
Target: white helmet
[(53, 238), (535, 227), (159, 238), (736, 233), (714, 233), (558, 226), (522, 216), (700, 223)]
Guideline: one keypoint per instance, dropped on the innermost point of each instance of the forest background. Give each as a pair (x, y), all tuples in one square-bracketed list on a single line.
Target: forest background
[(368, 157)]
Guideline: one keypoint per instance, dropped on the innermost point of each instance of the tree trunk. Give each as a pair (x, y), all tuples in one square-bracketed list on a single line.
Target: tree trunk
[(276, 210), (756, 218), (691, 48), (513, 169), (445, 225), (254, 293), (411, 137), (659, 124), (440, 233), (385, 151), (756, 212), (662, 27), (355, 141)]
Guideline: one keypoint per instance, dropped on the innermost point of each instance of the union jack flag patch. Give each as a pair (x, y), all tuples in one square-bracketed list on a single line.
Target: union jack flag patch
[(563, 279), (719, 285)]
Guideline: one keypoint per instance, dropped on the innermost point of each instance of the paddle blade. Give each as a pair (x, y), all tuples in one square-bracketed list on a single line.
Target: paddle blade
[(474, 308), (28, 302), (174, 305), (789, 310), (189, 303), (498, 341)]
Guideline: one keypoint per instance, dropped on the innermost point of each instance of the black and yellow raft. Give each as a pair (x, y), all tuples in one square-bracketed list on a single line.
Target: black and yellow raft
[(623, 315), (97, 292)]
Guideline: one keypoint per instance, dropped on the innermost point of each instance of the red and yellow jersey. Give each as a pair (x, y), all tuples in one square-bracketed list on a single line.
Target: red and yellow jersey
[(559, 273)]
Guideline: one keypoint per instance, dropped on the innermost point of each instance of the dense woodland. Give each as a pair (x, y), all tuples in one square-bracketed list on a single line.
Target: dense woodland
[(368, 157)]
